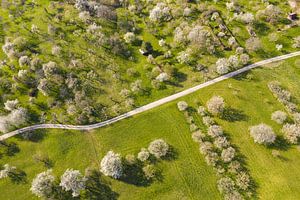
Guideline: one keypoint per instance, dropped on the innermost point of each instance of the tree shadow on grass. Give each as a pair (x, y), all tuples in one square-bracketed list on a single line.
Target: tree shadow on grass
[(242, 76), (134, 175), (232, 115), (96, 188), (280, 143), (9, 149), (33, 136), (171, 155), (18, 177)]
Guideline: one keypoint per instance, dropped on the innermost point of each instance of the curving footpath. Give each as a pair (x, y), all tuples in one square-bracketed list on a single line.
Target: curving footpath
[(150, 105)]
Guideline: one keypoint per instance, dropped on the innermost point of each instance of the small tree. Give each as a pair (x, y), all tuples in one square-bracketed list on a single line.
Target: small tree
[(216, 105), (215, 131), (73, 180), (42, 184), (129, 37), (205, 147), (228, 154), (291, 133), (11, 105), (158, 148), (143, 155), (111, 165), (221, 142), (222, 66), (7, 171), (296, 42), (279, 116), (226, 185), (243, 180), (149, 171), (262, 134), (182, 105), (253, 44)]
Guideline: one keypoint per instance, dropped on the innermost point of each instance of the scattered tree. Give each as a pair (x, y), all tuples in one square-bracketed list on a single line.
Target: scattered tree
[(262, 134), (42, 184), (279, 116), (73, 180), (111, 165), (216, 105), (182, 105), (158, 148)]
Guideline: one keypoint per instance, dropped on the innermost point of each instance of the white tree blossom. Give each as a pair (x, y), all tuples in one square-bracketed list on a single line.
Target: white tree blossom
[(233, 61), (296, 43), (253, 44), (262, 134), (73, 180), (158, 148), (244, 59), (11, 104), (182, 105), (6, 171), (111, 165), (215, 131), (279, 116), (162, 77), (215, 105), (143, 155), (8, 47), (24, 60), (129, 37), (42, 184), (56, 50), (222, 65), (161, 12), (228, 154), (18, 116), (291, 133), (184, 57), (247, 18)]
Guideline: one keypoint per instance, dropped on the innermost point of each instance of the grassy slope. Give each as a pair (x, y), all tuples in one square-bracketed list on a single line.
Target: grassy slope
[(187, 176)]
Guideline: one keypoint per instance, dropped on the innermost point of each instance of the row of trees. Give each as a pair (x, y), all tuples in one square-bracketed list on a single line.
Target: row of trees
[(234, 181), (291, 131)]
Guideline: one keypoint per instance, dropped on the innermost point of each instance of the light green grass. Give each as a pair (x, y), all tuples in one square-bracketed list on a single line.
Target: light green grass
[(186, 177)]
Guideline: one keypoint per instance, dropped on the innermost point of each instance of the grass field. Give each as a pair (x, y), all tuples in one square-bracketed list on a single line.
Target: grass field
[(186, 176)]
